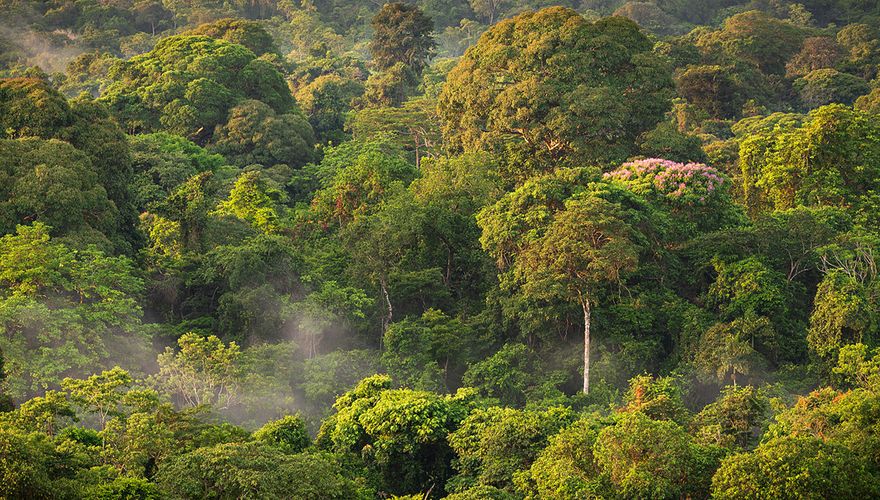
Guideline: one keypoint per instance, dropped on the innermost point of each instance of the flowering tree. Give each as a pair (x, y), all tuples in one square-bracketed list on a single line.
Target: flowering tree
[(693, 192)]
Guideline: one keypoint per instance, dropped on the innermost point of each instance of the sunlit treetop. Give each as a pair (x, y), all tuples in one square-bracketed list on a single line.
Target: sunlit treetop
[(681, 183)]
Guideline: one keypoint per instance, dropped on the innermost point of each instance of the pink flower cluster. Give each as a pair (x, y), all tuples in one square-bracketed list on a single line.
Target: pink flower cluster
[(689, 183)]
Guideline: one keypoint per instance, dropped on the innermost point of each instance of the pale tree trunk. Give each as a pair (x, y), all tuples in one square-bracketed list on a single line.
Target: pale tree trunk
[(389, 315), (585, 303)]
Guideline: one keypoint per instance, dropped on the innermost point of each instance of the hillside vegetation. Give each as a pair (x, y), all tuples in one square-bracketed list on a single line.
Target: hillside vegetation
[(482, 249)]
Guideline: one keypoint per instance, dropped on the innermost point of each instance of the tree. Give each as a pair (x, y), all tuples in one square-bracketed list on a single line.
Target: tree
[(859, 366), (202, 372), (326, 376), (54, 183), (710, 89), (163, 162), (823, 469), (414, 123), (869, 103), (186, 85), (726, 349), (250, 34), (696, 195), (843, 313), (255, 134), (827, 161), (734, 419), (288, 434), (757, 38), (652, 18), (330, 305), (488, 10), (402, 34), (390, 87), (653, 458), (818, 52), (254, 200), (6, 403), (152, 13), (826, 86), (101, 393), (657, 398), (665, 141), (237, 470), (31, 107), (505, 375), (326, 101), (355, 176), (23, 470), (551, 86), (63, 312), (587, 244), (400, 432), (495, 444), (559, 238), (841, 419), (566, 468), (416, 349)]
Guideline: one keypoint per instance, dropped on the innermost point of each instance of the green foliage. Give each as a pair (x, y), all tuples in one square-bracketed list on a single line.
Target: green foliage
[(659, 399), (288, 434), (186, 85), (710, 89), (821, 470), (505, 375), (665, 141), (356, 175), (733, 420), (496, 444), (400, 432), (826, 86), (325, 101), (435, 344), (757, 38), (327, 376), (644, 457), (254, 470), (162, 162), (457, 225), (255, 134), (243, 32), (23, 470), (97, 154), (63, 311), (202, 372), (825, 162), (566, 468), (552, 83), (857, 368), (58, 182), (843, 314), (254, 200), (401, 34)]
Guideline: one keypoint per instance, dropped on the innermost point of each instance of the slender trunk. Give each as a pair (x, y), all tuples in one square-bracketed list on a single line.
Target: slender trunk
[(448, 266), (585, 303), (389, 310)]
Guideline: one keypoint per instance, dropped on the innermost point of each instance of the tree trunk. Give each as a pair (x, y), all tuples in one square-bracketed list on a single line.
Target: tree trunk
[(586, 305), (389, 311)]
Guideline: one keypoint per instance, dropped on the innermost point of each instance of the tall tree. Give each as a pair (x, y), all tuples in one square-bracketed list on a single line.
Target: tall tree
[(571, 253), (552, 87), (402, 34)]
